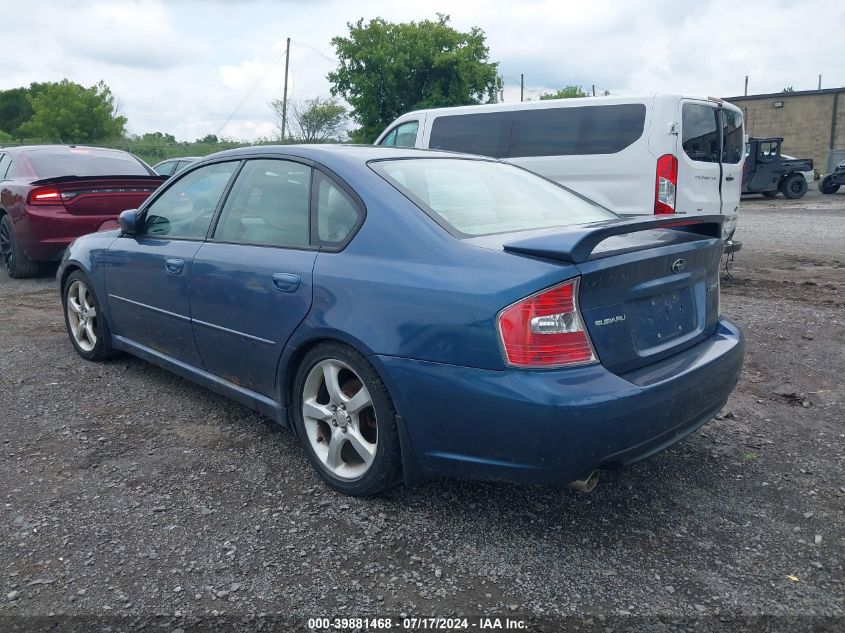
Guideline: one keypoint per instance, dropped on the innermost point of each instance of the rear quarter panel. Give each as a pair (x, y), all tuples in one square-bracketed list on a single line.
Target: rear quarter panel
[(405, 287)]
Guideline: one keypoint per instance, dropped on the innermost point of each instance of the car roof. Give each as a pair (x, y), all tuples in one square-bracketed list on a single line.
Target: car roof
[(20, 149), (335, 155)]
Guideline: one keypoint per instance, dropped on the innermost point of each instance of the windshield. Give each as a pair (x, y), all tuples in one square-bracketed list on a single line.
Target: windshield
[(84, 161), (475, 197)]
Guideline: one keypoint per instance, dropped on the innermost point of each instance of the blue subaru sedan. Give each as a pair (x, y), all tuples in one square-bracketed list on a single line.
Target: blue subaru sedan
[(412, 313)]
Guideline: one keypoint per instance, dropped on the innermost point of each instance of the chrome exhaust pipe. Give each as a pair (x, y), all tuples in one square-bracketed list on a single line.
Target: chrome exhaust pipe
[(587, 484)]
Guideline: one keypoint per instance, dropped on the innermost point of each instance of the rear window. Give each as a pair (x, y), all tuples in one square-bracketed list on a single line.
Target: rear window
[(699, 132), (476, 197), (570, 131), (732, 149), (84, 162)]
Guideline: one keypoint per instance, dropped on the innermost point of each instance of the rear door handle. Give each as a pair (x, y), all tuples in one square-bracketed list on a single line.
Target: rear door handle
[(286, 282), (729, 178), (174, 266)]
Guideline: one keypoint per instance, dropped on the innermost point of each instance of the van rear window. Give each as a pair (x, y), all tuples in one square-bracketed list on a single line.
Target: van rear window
[(700, 133)]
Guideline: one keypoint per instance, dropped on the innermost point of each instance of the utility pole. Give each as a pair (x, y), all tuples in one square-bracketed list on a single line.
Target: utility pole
[(594, 90), (521, 87), (746, 85), (820, 83), (285, 97)]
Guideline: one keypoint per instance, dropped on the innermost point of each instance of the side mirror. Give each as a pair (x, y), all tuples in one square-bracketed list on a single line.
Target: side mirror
[(128, 222)]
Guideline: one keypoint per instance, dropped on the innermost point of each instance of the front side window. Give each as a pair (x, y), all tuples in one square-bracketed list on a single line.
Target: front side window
[(268, 205), (700, 133), (476, 197), (404, 135), (732, 144), (185, 209)]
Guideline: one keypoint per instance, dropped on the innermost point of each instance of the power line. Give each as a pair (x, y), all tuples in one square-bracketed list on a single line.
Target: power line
[(276, 59)]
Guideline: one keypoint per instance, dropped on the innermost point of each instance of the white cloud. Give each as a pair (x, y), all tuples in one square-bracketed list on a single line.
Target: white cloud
[(185, 66)]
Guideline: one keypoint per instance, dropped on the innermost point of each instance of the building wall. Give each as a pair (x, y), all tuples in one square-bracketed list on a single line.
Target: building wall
[(804, 122)]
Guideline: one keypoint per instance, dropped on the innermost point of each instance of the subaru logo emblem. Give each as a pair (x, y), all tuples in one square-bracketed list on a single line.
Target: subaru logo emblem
[(678, 265)]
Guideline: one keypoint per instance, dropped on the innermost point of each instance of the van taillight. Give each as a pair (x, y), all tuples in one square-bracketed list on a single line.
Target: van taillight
[(546, 329), (665, 184)]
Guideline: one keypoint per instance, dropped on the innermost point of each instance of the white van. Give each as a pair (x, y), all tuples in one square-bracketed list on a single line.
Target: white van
[(658, 154)]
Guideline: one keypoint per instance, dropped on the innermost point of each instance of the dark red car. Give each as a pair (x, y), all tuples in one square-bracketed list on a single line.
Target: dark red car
[(52, 194)]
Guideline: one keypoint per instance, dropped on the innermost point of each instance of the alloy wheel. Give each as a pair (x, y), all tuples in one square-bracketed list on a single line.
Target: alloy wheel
[(339, 419), (82, 315)]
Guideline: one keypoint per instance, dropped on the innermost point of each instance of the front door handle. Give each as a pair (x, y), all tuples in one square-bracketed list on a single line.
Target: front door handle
[(286, 282), (174, 266), (729, 178)]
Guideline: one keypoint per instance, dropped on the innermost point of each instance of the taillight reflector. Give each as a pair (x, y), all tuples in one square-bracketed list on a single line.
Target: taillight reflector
[(665, 184), (546, 329)]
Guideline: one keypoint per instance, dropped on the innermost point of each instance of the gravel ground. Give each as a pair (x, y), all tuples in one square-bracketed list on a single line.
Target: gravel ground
[(136, 497)]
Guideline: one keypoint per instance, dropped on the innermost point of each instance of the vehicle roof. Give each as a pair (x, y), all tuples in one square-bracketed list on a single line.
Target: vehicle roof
[(175, 158), (324, 153), (764, 139), (19, 149), (557, 103)]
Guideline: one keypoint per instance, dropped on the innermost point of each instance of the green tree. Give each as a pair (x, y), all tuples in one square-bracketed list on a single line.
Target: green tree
[(317, 120), (70, 113), (16, 108), (569, 92), (386, 69)]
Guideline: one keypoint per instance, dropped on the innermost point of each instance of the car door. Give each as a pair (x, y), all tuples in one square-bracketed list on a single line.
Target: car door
[(699, 169), (148, 275), (252, 280)]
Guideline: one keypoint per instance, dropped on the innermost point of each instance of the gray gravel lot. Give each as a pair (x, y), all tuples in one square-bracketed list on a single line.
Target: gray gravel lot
[(130, 492)]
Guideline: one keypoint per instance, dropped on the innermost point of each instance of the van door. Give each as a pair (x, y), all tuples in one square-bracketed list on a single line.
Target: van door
[(733, 146), (699, 169)]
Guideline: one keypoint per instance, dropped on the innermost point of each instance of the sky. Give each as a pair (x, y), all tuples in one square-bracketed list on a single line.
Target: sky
[(194, 67)]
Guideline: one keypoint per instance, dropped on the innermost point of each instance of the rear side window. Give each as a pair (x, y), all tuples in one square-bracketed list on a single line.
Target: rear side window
[(700, 133), (404, 135), (485, 134), (732, 148), (477, 197), (576, 130), (83, 161), (268, 204), (337, 214), (165, 169)]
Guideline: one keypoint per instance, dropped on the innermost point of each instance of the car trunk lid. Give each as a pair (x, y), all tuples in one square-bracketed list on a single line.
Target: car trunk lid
[(649, 287), (100, 195)]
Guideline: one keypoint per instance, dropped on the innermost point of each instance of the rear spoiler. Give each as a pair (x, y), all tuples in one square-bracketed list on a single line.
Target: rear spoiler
[(62, 179), (575, 244)]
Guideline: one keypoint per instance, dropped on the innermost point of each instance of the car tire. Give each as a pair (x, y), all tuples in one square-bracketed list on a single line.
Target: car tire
[(794, 186), (86, 325), (827, 186), (15, 261), (769, 194), (354, 449)]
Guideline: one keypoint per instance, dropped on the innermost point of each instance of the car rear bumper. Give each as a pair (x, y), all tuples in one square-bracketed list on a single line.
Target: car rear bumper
[(554, 426), (45, 232)]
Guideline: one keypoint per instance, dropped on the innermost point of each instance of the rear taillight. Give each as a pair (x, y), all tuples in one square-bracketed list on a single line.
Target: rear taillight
[(48, 195), (546, 330), (665, 184)]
